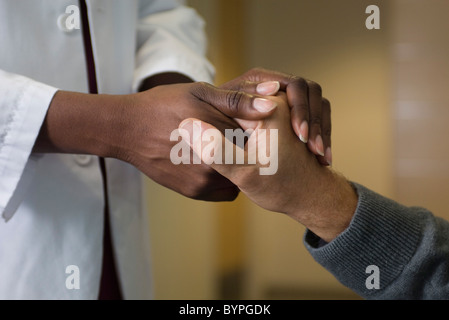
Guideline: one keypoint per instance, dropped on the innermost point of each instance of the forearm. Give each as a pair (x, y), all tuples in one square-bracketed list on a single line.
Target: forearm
[(81, 123), (88, 124)]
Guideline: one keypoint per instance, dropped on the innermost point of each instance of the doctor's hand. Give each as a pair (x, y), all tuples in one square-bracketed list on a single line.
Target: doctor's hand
[(159, 111), (136, 128), (297, 184), (310, 112)]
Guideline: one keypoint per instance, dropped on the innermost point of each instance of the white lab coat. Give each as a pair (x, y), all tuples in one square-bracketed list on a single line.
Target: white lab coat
[(52, 205)]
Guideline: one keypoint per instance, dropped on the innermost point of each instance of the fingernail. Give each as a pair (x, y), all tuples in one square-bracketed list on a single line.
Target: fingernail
[(319, 145), (304, 131), (329, 156), (264, 105), (268, 88)]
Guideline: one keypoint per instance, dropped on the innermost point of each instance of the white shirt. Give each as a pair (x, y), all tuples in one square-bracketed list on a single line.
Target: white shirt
[(51, 206)]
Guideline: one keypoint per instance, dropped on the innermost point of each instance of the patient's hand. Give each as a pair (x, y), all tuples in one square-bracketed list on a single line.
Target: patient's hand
[(289, 179)]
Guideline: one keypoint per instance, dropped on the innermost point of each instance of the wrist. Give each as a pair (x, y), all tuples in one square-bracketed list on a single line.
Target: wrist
[(330, 206), (81, 123)]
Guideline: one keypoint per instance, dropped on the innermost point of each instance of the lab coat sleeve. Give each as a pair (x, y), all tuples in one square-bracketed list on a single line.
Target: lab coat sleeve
[(23, 104), (171, 39)]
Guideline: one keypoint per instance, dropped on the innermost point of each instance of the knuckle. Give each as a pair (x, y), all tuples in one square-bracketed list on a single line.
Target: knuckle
[(233, 100), (200, 90), (254, 73), (257, 70), (300, 93), (315, 88), (298, 83), (201, 185), (326, 104), (243, 85)]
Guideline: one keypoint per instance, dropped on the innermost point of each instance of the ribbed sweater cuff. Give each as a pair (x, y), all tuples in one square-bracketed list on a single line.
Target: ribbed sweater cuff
[(382, 233)]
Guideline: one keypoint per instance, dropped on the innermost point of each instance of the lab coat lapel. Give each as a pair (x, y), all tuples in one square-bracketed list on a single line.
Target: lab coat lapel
[(112, 27)]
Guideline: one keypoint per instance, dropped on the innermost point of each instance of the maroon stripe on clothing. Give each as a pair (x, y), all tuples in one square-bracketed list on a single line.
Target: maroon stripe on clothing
[(109, 284)]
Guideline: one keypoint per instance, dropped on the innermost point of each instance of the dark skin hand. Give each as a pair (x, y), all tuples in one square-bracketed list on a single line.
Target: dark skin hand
[(136, 128), (209, 184), (306, 104)]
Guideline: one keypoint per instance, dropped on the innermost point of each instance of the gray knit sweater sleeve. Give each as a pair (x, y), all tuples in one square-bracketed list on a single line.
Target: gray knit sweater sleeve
[(389, 251)]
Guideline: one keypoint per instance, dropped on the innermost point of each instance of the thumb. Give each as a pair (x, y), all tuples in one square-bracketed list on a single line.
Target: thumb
[(213, 148), (234, 104)]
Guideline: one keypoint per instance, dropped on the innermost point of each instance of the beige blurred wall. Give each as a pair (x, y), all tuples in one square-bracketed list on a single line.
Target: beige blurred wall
[(212, 251)]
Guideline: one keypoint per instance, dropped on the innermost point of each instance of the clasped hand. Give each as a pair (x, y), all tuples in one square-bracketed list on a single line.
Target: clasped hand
[(227, 107)]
